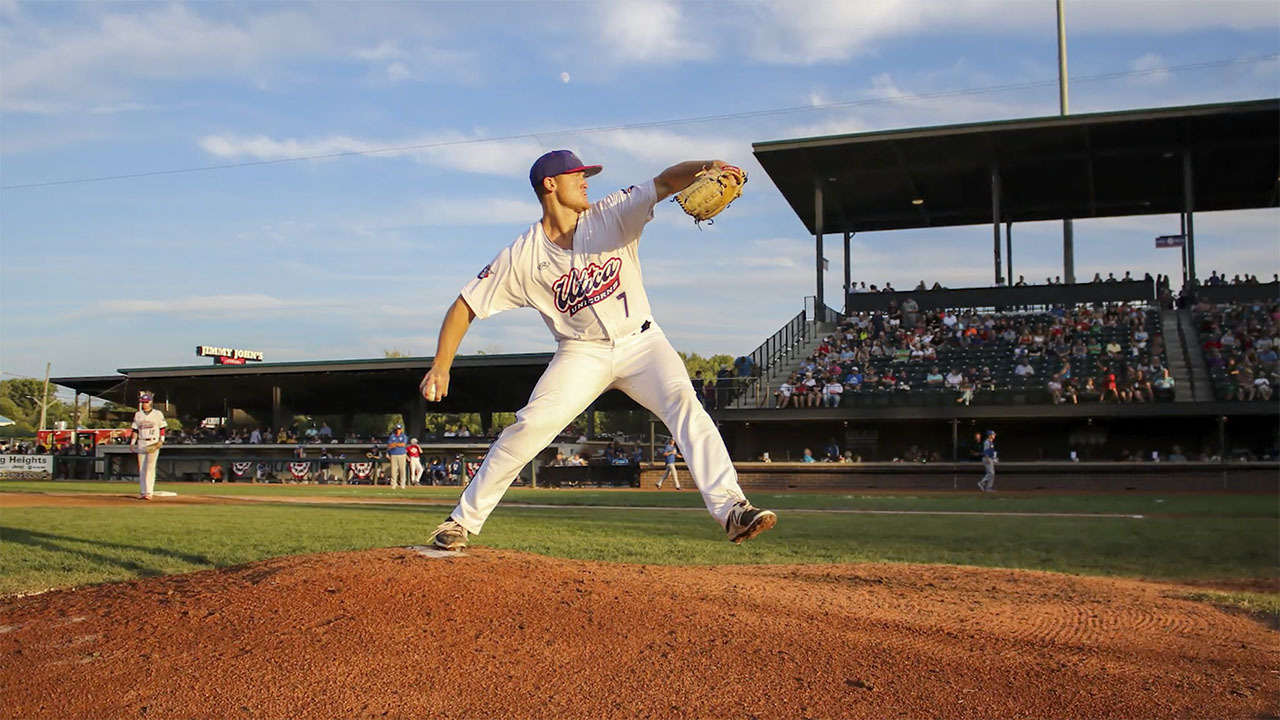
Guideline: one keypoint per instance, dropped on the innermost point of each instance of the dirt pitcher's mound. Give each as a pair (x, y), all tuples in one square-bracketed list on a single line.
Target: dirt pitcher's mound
[(389, 633)]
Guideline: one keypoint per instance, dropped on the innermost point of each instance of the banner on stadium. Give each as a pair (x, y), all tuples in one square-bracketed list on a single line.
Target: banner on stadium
[(361, 470), (299, 470), (1170, 241), (26, 467), (240, 468)]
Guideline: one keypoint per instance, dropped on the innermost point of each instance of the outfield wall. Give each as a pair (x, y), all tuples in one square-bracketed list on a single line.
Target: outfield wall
[(1138, 476)]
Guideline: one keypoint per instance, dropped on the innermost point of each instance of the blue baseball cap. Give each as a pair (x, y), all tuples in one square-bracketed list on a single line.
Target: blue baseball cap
[(144, 397), (558, 162)]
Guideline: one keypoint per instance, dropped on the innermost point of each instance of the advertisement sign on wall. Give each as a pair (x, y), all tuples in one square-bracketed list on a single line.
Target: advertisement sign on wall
[(26, 467)]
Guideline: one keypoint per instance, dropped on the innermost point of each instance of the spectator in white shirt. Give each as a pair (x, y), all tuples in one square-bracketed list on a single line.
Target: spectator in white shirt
[(1024, 369), (832, 393), (785, 390)]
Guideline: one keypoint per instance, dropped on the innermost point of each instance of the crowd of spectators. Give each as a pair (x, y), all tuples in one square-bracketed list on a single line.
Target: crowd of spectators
[(1241, 342), (1088, 353), (615, 453), (860, 287)]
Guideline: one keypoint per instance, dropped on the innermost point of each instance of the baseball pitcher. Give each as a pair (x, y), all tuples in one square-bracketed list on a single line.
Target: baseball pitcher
[(579, 267)]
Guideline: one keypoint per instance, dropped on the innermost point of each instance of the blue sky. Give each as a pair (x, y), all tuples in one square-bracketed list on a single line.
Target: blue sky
[(346, 257)]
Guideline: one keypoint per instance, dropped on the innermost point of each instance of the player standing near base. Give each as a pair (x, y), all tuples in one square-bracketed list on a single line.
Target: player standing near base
[(579, 266), (988, 481), (414, 451), (148, 437), (397, 449)]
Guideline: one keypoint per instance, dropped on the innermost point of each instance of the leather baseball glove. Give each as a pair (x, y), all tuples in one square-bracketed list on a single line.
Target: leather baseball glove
[(152, 447), (711, 192)]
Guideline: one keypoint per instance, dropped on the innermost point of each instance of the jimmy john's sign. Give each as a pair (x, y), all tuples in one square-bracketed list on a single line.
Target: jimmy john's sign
[(228, 356)]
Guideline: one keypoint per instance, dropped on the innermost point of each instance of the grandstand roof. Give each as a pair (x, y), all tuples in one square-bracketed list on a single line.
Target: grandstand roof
[(478, 383), (1077, 166)]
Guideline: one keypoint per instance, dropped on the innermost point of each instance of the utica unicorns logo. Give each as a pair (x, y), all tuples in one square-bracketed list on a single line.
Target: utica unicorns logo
[(588, 286)]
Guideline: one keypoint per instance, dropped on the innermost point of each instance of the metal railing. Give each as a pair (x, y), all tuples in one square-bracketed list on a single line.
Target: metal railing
[(825, 314), (779, 347)]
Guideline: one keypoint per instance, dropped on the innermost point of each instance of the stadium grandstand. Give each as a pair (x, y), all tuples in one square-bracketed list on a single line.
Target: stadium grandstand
[(1118, 369)]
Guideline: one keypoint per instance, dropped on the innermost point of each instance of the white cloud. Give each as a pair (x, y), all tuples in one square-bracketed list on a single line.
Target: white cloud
[(453, 150), (477, 211), (646, 30), (115, 53), (385, 50), (397, 71), (53, 68), (663, 147), (831, 30), (1153, 67)]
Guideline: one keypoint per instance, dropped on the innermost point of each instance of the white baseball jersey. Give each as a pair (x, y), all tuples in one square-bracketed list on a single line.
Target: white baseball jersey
[(594, 291), (147, 427)]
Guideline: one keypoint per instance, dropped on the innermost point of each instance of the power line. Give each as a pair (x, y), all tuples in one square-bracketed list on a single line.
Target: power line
[(665, 123)]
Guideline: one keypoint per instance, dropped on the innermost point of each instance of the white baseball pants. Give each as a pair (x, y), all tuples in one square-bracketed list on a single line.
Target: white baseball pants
[(147, 471), (644, 366), (415, 471)]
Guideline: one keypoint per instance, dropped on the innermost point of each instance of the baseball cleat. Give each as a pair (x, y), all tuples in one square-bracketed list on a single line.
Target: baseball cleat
[(450, 536), (746, 522)]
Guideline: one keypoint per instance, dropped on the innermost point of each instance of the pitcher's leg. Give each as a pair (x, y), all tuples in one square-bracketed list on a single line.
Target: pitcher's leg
[(655, 377), (576, 376)]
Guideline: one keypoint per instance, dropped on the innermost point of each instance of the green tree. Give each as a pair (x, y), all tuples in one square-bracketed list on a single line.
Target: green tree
[(709, 366), (25, 394)]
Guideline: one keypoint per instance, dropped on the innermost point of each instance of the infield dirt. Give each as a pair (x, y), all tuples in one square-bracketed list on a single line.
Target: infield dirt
[(390, 633)]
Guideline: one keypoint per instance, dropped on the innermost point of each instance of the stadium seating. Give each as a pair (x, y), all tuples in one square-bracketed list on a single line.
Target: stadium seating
[(984, 348)]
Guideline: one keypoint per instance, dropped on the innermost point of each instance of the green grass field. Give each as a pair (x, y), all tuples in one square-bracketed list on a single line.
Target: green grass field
[(1178, 537)]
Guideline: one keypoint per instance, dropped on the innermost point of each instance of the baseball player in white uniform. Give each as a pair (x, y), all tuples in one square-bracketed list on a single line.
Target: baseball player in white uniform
[(148, 437), (579, 266)]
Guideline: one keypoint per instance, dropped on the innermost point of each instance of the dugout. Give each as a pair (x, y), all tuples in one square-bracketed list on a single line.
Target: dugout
[(271, 393)]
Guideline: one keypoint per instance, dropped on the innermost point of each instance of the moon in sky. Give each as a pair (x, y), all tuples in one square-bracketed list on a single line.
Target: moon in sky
[(564, 77)]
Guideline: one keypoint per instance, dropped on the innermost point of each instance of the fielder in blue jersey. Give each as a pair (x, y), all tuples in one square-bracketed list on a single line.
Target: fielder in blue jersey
[(988, 481)]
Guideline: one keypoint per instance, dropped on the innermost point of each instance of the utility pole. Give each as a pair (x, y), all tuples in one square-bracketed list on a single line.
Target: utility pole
[(1068, 227), (44, 400)]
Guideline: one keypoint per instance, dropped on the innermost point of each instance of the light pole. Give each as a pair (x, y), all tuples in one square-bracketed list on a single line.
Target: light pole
[(1068, 229)]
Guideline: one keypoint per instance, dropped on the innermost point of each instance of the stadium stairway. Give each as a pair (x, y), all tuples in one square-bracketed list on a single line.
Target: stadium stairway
[(1181, 325), (762, 390), (1176, 356)]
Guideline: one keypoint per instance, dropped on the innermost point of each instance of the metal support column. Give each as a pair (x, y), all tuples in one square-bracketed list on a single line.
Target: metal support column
[(1008, 250), (653, 422), (1068, 252), (1189, 207), (1182, 230), (416, 419), (995, 220), (1222, 439), (277, 408), (819, 304), (847, 287)]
